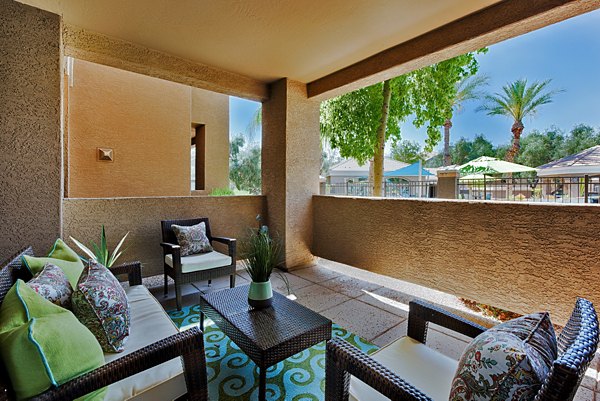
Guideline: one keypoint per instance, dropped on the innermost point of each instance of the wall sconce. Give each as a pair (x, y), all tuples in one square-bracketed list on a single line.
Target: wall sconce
[(105, 155)]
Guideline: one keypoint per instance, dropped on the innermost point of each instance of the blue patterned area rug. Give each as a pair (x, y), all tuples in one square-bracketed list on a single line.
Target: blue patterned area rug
[(233, 376)]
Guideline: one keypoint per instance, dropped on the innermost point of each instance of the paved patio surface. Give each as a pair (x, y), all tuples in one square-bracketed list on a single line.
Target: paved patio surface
[(368, 304)]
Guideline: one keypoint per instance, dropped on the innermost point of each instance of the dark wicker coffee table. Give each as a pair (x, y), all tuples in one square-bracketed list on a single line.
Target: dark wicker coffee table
[(267, 336)]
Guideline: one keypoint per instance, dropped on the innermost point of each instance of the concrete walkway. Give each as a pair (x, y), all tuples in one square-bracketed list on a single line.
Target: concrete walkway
[(371, 305)]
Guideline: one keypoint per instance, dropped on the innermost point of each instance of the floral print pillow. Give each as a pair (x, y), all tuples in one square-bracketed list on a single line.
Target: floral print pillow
[(508, 362), (100, 303), (192, 239), (52, 284)]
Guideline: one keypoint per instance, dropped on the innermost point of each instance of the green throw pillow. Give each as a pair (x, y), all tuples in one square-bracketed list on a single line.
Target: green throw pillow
[(44, 345), (60, 255)]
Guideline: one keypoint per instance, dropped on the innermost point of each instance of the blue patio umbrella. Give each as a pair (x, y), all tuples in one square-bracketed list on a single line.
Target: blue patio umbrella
[(409, 171)]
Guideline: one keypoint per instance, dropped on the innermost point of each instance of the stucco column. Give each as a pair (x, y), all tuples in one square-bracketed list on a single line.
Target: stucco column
[(30, 128), (447, 184), (291, 156)]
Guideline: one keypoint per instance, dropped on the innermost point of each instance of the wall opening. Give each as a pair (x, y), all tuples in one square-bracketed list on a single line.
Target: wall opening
[(198, 157)]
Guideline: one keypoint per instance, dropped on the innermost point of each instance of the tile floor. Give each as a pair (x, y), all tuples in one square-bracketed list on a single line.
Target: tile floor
[(370, 305)]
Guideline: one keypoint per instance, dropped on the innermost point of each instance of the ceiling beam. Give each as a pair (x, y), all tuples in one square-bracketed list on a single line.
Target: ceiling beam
[(97, 48), (498, 22)]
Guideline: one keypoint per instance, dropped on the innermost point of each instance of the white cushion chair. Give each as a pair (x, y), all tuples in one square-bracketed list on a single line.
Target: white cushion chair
[(408, 370), (416, 363), (193, 268)]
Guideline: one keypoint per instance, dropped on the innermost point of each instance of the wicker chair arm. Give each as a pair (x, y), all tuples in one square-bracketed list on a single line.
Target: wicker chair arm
[(172, 249), (344, 360), (169, 248), (420, 313), (230, 242), (188, 344), (133, 271)]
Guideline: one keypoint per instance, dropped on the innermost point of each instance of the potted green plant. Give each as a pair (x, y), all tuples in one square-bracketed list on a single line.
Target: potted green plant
[(260, 254), (101, 253)]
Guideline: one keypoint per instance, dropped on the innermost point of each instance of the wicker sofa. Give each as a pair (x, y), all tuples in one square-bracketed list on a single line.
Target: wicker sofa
[(407, 369), (159, 362)]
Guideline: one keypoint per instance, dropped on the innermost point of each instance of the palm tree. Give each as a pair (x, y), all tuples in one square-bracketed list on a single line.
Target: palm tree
[(254, 126), (466, 89), (517, 101)]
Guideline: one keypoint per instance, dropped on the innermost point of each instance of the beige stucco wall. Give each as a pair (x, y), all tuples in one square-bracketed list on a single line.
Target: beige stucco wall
[(521, 257), (229, 216), (147, 122), (212, 110), (30, 128)]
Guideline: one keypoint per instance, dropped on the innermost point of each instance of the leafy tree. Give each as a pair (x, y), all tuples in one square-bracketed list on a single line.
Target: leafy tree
[(359, 123), (501, 151), (462, 151), (581, 137), (465, 150), (329, 158), (481, 147), (244, 165), (435, 161), (440, 90), (407, 151), (517, 101), (539, 148)]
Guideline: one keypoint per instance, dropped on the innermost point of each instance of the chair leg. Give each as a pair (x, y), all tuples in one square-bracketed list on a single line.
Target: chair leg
[(178, 295), (166, 284), (232, 281)]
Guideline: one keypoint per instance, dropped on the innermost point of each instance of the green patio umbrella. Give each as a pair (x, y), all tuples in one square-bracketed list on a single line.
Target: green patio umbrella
[(486, 165)]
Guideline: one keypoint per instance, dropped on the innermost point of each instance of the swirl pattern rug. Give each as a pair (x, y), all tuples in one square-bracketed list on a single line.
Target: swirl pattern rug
[(233, 376)]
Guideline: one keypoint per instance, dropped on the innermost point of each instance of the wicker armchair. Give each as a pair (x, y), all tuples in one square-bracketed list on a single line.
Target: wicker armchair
[(188, 345), (577, 344), (189, 269)]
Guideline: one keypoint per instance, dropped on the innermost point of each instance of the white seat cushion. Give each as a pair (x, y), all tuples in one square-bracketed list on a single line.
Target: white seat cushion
[(201, 261), (416, 363), (149, 323)]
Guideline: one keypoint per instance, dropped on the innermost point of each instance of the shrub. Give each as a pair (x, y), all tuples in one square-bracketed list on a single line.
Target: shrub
[(221, 192)]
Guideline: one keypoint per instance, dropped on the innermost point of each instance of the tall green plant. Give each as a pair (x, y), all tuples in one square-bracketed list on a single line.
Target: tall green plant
[(260, 254), (101, 253)]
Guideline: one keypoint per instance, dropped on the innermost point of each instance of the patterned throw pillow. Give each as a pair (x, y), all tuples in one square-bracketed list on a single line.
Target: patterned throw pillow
[(508, 362), (192, 239), (52, 283), (100, 303)]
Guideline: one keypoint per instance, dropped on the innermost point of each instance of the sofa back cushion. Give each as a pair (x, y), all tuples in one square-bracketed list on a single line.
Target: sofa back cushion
[(42, 344), (60, 255), (100, 303), (53, 284)]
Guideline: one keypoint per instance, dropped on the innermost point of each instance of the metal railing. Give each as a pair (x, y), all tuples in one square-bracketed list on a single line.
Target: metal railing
[(538, 189), (405, 189)]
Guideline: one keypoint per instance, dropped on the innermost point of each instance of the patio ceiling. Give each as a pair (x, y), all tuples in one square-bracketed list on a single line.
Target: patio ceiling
[(302, 39)]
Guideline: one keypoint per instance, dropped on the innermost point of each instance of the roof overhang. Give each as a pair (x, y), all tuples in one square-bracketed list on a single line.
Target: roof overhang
[(573, 171)]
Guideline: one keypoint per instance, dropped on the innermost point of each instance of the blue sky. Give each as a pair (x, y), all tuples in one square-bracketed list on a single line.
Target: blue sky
[(567, 52)]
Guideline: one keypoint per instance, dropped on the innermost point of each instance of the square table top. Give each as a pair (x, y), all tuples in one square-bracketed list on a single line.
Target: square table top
[(265, 328)]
